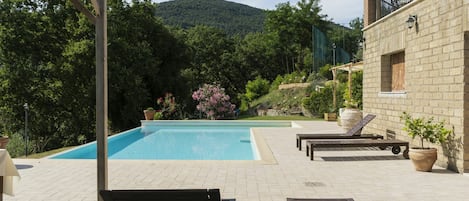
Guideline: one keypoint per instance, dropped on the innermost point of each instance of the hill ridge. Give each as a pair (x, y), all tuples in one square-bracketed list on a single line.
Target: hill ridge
[(233, 18)]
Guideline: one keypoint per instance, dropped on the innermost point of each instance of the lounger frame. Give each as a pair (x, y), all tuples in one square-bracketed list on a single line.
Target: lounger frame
[(301, 137), (353, 133), (382, 144)]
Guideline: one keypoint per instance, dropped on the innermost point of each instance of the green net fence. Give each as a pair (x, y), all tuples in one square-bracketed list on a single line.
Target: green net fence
[(324, 51)]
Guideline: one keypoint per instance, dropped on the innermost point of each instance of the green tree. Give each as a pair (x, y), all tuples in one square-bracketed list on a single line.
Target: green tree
[(258, 56), (144, 63), (280, 23), (213, 60), (34, 73), (53, 71), (356, 39), (293, 26)]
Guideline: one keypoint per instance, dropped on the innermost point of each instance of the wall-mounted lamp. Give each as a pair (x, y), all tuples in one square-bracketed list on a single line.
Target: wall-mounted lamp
[(411, 21), (361, 43)]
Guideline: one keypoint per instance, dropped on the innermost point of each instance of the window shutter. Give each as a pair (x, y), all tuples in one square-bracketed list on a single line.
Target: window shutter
[(398, 71)]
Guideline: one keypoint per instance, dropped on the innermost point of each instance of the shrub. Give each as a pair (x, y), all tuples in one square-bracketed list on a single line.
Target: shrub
[(244, 106), (326, 72), (16, 146), (257, 88), (357, 88), (321, 101), (295, 77), (213, 101), (277, 82), (158, 116)]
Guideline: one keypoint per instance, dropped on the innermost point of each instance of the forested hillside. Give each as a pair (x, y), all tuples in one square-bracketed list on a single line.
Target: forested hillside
[(233, 18)]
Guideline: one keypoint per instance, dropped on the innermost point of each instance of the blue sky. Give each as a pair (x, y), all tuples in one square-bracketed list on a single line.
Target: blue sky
[(340, 11)]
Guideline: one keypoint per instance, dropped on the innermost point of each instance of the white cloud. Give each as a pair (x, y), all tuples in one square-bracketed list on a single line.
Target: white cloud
[(341, 11)]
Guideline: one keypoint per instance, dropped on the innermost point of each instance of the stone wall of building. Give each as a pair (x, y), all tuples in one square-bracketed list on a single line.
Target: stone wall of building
[(436, 54)]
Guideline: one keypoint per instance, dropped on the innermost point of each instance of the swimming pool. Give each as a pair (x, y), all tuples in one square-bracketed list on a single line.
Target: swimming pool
[(180, 140)]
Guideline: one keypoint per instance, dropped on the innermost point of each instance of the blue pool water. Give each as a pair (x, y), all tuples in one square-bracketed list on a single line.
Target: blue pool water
[(176, 142)]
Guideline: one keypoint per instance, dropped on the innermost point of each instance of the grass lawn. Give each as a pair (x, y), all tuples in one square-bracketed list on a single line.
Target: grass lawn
[(45, 154)]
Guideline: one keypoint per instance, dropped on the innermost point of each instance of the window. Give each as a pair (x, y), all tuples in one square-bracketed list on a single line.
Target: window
[(393, 72)]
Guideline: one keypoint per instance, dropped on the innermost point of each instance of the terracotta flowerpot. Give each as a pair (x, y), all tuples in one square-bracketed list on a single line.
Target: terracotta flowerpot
[(3, 142), (149, 114), (423, 159), (350, 117)]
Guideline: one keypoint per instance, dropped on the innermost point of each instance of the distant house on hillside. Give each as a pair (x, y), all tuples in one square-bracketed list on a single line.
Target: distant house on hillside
[(416, 59)]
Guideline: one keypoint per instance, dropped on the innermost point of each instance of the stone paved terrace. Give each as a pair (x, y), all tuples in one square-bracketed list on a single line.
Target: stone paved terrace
[(362, 174)]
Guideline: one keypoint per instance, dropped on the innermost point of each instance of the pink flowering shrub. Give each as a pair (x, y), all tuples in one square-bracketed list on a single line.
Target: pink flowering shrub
[(213, 101)]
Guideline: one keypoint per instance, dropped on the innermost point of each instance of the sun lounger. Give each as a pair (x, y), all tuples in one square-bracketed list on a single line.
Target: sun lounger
[(382, 144), (162, 195), (354, 132), (319, 199)]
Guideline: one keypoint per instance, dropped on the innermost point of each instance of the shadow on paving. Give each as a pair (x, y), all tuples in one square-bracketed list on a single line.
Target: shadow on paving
[(350, 149), (362, 158), (20, 166)]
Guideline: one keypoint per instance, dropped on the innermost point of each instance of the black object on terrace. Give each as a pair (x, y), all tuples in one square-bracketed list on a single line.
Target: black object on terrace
[(163, 195), (382, 144)]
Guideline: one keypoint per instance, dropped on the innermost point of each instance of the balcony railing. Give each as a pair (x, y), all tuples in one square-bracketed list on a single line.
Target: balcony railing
[(389, 6)]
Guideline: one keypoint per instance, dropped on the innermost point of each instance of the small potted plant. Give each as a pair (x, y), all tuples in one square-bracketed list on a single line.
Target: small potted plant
[(423, 157), (149, 113)]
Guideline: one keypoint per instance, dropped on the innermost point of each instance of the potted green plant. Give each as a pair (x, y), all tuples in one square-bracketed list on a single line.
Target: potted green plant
[(423, 157), (149, 113)]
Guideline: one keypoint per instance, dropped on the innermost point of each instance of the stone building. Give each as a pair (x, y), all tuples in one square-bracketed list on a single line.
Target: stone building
[(416, 59)]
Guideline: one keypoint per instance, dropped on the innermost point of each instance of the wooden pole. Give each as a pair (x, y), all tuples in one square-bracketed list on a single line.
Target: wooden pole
[(101, 95), (334, 90), (1, 188), (350, 81), (100, 22)]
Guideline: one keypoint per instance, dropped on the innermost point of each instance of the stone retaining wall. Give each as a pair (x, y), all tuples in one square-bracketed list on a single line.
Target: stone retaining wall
[(294, 85)]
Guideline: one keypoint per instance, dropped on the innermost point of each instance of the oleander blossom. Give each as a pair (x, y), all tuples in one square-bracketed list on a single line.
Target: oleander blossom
[(213, 101)]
